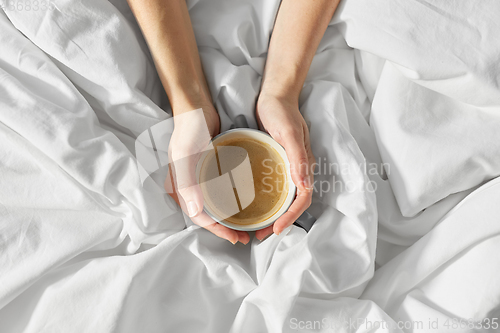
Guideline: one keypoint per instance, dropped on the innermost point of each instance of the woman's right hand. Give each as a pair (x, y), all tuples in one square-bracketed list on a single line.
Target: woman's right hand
[(192, 133)]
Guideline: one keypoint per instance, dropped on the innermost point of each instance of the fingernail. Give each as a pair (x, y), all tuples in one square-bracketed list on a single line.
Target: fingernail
[(232, 241), (192, 209)]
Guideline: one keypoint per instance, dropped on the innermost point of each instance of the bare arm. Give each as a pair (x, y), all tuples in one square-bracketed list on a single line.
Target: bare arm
[(167, 28), (298, 30)]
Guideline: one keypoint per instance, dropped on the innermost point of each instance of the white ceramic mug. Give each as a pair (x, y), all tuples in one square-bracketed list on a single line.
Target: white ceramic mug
[(264, 138)]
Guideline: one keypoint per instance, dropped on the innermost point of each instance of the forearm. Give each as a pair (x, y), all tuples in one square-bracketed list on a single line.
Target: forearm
[(167, 28), (299, 27)]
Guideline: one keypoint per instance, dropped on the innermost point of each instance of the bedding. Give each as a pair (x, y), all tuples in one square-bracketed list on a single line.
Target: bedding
[(402, 101)]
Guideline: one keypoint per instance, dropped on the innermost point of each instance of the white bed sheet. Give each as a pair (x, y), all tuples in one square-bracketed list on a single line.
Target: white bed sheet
[(85, 248)]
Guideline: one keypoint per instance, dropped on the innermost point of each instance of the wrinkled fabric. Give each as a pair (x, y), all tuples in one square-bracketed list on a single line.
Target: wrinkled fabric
[(409, 87)]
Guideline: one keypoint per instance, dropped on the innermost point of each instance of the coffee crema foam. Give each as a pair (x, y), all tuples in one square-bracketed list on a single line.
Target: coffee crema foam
[(259, 194)]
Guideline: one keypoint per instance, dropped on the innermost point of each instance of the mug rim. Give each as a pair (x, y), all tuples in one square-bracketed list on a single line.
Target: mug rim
[(270, 220)]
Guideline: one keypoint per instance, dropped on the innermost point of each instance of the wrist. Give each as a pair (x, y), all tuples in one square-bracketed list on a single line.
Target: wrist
[(278, 93), (190, 103), (283, 88)]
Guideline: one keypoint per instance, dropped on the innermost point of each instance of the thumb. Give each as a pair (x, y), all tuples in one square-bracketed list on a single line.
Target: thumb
[(190, 194), (299, 163)]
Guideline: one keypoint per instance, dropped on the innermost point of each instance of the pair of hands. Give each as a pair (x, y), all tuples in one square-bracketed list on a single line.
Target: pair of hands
[(296, 35), (281, 118)]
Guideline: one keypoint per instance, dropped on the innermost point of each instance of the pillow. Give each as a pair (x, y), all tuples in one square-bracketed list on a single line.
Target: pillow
[(432, 145)]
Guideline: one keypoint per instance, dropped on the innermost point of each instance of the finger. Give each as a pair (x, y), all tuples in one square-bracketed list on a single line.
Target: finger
[(186, 185), (187, 193), (169, 180), (299, 205), (221, 231), (243, 237), (263, 233), (310, 155), (217, 229), (299, 160), (205, 221), (180, 200), (192, 200)]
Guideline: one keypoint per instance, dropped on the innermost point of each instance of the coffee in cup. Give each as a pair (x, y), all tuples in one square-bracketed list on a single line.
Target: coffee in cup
[(245, 180)]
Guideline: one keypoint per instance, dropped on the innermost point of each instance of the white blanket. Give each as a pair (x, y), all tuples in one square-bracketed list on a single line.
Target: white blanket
[(402, 97)]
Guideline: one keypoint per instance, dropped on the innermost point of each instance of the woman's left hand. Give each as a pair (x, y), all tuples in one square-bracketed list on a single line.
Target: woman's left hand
[(281, 118)]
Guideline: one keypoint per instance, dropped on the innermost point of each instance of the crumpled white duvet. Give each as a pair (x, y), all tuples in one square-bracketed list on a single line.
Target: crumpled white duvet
[(413, 86)]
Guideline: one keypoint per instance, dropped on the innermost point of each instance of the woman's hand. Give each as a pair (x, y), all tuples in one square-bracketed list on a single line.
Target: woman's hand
[(281, 118), (297, 32), (170, 37), (192, 133)]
